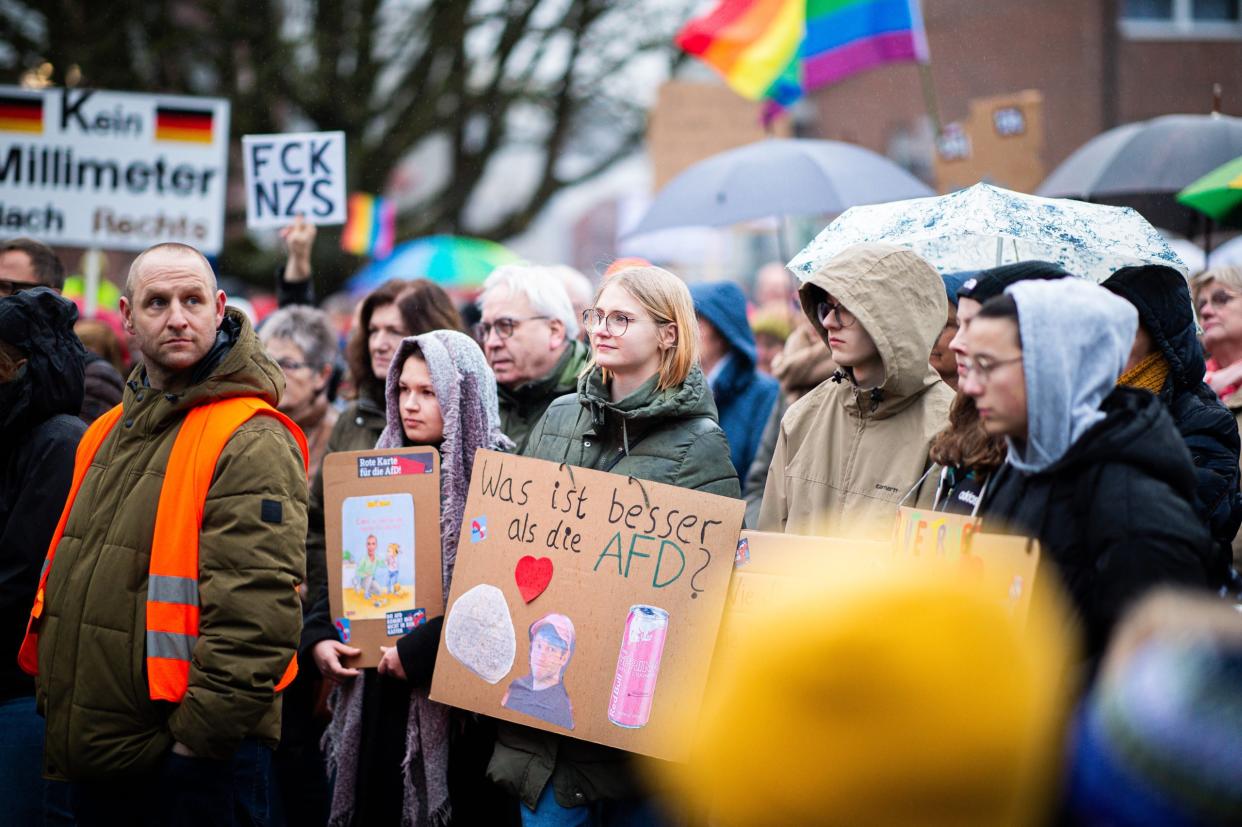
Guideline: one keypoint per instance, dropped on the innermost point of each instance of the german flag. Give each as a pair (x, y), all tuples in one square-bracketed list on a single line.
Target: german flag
[(178, 124), (21, 113)]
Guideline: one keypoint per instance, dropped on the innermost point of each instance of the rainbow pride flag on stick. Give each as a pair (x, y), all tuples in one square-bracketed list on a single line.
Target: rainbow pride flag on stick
[(778, 50), (370, 227)]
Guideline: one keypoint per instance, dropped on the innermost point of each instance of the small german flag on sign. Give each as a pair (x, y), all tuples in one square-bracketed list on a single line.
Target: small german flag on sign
[(178, 124), (21, 113)]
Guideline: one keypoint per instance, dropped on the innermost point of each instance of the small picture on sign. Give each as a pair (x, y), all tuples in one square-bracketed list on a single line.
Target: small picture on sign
[(478, 529), (638, 667), (541, 692), (377, 562), (402, 623), (342, 628), (479, 633), (742, 556)]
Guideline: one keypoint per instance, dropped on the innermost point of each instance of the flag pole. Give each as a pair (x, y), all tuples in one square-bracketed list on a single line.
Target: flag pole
[(929, 98)]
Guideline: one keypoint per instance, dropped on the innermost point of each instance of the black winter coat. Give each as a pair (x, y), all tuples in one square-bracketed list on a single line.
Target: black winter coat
[(1208, 428), (39, 434), (1114, 516)]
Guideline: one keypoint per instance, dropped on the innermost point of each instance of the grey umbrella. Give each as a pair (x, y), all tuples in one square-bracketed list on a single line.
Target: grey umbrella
[(1144, 165), (778, 177)]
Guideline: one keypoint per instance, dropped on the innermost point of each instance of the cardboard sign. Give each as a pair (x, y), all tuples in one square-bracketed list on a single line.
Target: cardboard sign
[(295, 174), (113, 170), (586, 603), (1004, 565), (1001, 141), (382, 526), (693, 121)]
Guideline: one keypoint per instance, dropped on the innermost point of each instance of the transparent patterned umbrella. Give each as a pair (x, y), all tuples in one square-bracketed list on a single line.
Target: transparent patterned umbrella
[(985, 226)]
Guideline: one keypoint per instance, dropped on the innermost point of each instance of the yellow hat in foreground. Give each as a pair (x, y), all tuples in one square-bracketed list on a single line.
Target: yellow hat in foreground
[(893, 702)]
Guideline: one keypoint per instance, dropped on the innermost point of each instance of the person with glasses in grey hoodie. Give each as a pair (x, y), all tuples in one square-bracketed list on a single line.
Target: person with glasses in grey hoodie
[(1097, 473)]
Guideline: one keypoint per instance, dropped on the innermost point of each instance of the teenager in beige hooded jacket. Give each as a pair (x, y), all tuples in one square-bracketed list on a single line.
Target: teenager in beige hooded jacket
[(849, 450)]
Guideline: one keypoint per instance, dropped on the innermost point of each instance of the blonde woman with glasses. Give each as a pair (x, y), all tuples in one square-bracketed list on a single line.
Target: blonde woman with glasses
[(1217, 294), (643, 408)]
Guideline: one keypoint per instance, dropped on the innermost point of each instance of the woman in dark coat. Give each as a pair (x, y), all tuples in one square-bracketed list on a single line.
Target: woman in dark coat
[(397, 756), (1167, 360), (643, 409), (391, 312), (41, 391)]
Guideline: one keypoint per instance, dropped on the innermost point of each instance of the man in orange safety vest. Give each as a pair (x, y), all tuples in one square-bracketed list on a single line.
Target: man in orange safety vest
[(167, 619)]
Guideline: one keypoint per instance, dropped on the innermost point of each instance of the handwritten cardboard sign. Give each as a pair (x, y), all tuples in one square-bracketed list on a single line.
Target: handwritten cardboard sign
[(382, 526), (1004, 565), (607, 636), (294, 174)]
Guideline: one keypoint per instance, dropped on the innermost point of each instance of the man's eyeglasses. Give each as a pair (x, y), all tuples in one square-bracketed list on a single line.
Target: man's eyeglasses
[(504, 327), (982, 368), (826, 308), (9, 288)]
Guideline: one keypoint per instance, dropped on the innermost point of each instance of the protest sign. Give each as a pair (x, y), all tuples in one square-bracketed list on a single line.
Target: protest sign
[(772, 569), (1003, 565), (292, 175), (113, 170), (382, 529), (586, 603)]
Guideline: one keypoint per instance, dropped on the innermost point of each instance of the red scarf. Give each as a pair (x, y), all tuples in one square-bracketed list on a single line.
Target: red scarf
[(1225, 392)]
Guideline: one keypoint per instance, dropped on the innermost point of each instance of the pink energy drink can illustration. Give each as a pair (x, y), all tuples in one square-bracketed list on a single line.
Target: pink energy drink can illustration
[(638, 666)]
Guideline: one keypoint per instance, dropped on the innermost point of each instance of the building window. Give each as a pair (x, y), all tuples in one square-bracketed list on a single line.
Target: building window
[(1181, 19), (1147, 10)]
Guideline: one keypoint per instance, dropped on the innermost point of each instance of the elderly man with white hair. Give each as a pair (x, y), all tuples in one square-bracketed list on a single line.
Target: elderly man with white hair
[(528, 332)]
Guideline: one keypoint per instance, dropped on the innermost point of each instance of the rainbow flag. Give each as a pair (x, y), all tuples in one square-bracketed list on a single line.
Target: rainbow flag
[(778, 50), (370, 227)]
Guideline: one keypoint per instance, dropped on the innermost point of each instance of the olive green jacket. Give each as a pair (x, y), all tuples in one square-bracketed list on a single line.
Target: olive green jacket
[(523, 406), (669, 436), (92, 684)]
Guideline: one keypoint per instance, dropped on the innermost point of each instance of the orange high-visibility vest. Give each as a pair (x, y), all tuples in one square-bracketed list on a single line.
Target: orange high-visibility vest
[(172, 581)]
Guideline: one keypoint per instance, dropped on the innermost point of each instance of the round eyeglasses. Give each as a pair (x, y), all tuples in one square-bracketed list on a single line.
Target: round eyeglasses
[(826, 308)]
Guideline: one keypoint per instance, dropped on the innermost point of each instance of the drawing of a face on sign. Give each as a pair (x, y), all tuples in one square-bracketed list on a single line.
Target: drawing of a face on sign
[(541, 693)]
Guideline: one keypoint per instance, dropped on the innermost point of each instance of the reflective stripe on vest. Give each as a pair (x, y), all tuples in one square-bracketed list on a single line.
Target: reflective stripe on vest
[(172, 607)]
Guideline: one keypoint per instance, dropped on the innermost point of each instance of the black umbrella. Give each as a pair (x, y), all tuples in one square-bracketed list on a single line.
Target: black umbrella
[(1145, 165)]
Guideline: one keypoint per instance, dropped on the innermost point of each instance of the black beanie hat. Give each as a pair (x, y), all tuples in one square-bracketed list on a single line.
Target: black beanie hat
[(988, 284)]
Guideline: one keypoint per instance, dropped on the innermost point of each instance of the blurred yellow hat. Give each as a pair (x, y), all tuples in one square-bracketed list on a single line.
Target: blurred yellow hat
[(895, 702)]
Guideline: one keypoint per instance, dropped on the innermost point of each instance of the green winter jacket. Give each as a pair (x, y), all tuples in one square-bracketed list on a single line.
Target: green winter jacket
[(523, 406), (673, 437), (92, 684)]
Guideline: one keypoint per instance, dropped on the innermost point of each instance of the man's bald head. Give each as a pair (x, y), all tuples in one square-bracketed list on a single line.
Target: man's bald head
[(173, 308), (160, 254)]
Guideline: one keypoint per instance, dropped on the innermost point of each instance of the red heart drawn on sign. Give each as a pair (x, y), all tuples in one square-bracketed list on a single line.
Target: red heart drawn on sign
[(532, 575)]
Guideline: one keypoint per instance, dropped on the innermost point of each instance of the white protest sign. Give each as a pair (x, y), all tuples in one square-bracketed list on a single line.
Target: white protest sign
[(113, 170), (294, 174)]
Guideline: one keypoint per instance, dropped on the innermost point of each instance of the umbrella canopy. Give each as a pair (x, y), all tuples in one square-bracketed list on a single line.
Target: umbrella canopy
[(1228, 254), (448, 260), (985, 226), (1217, 194), (1145, 165), (778, 177)]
